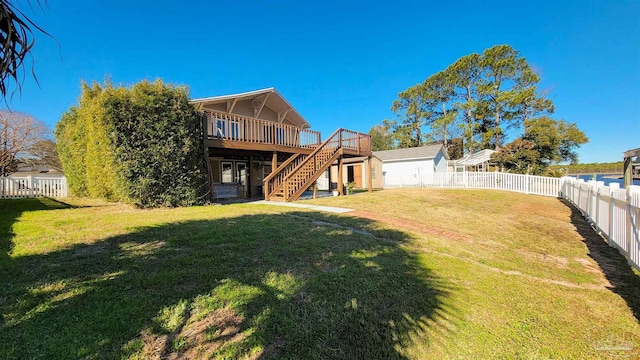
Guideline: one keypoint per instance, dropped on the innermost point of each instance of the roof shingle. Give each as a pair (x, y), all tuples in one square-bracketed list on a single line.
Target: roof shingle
[(414, 153)]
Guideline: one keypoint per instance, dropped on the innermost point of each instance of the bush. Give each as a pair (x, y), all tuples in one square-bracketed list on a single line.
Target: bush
[(141, 145)]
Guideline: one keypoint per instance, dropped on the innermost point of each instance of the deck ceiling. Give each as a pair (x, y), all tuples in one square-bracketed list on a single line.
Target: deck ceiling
[(269, 98)]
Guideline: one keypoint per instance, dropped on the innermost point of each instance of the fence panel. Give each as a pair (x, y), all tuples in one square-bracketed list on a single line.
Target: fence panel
[(613, 212), (33, 186), (539, 185)]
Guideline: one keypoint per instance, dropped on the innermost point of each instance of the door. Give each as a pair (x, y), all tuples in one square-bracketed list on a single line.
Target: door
[(242, 176), (357, 175)]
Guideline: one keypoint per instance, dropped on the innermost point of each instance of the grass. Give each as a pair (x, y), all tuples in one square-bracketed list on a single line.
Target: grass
[(416, 273)]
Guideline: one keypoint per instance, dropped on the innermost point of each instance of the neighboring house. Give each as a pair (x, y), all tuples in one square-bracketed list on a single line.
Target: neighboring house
[(257, 144), (39, 171), (354, 170), (410, 166)]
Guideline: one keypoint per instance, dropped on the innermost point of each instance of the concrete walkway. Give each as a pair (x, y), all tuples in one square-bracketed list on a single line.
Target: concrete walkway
[(331, 209)]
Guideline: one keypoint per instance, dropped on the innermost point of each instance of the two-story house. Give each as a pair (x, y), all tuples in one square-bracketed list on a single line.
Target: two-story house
[(257, 144)]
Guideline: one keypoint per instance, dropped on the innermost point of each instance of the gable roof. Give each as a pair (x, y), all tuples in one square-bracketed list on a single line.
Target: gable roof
[(414, 153), (272, 98), (475, 158)]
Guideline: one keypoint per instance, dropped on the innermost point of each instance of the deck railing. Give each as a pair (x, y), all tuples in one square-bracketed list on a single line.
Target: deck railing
[(222, 126), (297, 173)]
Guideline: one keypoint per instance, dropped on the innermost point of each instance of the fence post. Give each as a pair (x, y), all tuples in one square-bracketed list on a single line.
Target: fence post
[(612, 188), (30, 185), (587, 210), (631, 190), (597, 205), (526, 183), (65, 187)]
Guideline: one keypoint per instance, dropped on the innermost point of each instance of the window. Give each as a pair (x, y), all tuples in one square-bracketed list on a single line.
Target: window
[(373, 172), (227, 172)]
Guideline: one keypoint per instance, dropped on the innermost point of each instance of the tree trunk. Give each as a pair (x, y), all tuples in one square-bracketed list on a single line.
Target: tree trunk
[(469, 118), (444, 126), (497, 130)]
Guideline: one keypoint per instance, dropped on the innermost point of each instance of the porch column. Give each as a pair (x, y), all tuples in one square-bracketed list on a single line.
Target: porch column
[(369, 174), (340, 185), (628, 179), (274, 161), (250, 189), (205, 124)]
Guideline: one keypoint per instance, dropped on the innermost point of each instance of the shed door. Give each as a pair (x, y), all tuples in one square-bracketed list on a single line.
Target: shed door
[(357, 175)]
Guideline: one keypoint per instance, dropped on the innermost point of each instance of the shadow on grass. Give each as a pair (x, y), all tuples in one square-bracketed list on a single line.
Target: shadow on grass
[(613, 264), (10, 211), (258, 286)]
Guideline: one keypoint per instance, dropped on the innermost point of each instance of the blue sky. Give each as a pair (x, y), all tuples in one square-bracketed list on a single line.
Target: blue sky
[(342, 63)]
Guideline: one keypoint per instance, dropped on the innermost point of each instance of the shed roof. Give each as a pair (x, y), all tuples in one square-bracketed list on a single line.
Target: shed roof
[(414, 153), (271, 98), (475, 158)]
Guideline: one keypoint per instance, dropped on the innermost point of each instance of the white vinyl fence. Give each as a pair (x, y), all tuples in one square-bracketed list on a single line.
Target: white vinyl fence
[(33, 186), (613, 212), (528, 184)]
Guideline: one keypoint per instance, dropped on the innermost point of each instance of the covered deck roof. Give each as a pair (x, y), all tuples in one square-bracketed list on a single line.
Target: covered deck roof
[(259, 99)]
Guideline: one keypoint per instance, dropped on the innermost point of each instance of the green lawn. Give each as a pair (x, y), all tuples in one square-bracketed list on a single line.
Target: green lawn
[(414, 273)]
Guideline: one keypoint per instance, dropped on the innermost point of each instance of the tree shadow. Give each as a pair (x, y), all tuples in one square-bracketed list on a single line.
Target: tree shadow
[(263, 286), (11, 210), (613, 264)]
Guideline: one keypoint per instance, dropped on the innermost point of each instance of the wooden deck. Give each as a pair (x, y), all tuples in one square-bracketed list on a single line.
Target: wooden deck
[(236, 132)]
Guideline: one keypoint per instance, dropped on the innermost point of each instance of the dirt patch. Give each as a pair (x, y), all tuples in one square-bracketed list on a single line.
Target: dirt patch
[(559, 261), (90, 250), (518, 273), (142, 249), (198, 339), (588, 265), (422, 228), (273, 349)]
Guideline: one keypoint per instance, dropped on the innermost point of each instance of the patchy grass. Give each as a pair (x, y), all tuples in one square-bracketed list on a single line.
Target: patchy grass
[(414, 273), (244, 281), (532, 279)]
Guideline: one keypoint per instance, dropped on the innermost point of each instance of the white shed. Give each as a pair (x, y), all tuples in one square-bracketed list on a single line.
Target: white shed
[(410, 166)]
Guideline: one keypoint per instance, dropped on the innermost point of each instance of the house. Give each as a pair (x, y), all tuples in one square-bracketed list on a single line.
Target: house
[(410, 166), (258, 145)]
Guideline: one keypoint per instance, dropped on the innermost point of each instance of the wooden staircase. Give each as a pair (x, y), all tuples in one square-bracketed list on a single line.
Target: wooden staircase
[(299, 172)]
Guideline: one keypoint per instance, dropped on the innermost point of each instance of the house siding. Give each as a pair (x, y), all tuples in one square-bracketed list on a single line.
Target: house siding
[(441, 164), (406, 173)]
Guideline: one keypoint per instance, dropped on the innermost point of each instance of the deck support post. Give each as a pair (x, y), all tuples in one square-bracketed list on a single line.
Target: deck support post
[(628, 180), (315, 190), (340, 184), (369, 174), (250, 181), (274, 161)]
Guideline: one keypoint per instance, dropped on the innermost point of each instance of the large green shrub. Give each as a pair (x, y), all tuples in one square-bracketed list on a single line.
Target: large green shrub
[(141, 145)]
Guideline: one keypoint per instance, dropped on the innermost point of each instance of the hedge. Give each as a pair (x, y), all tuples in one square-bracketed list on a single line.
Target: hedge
[(141, 145)]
